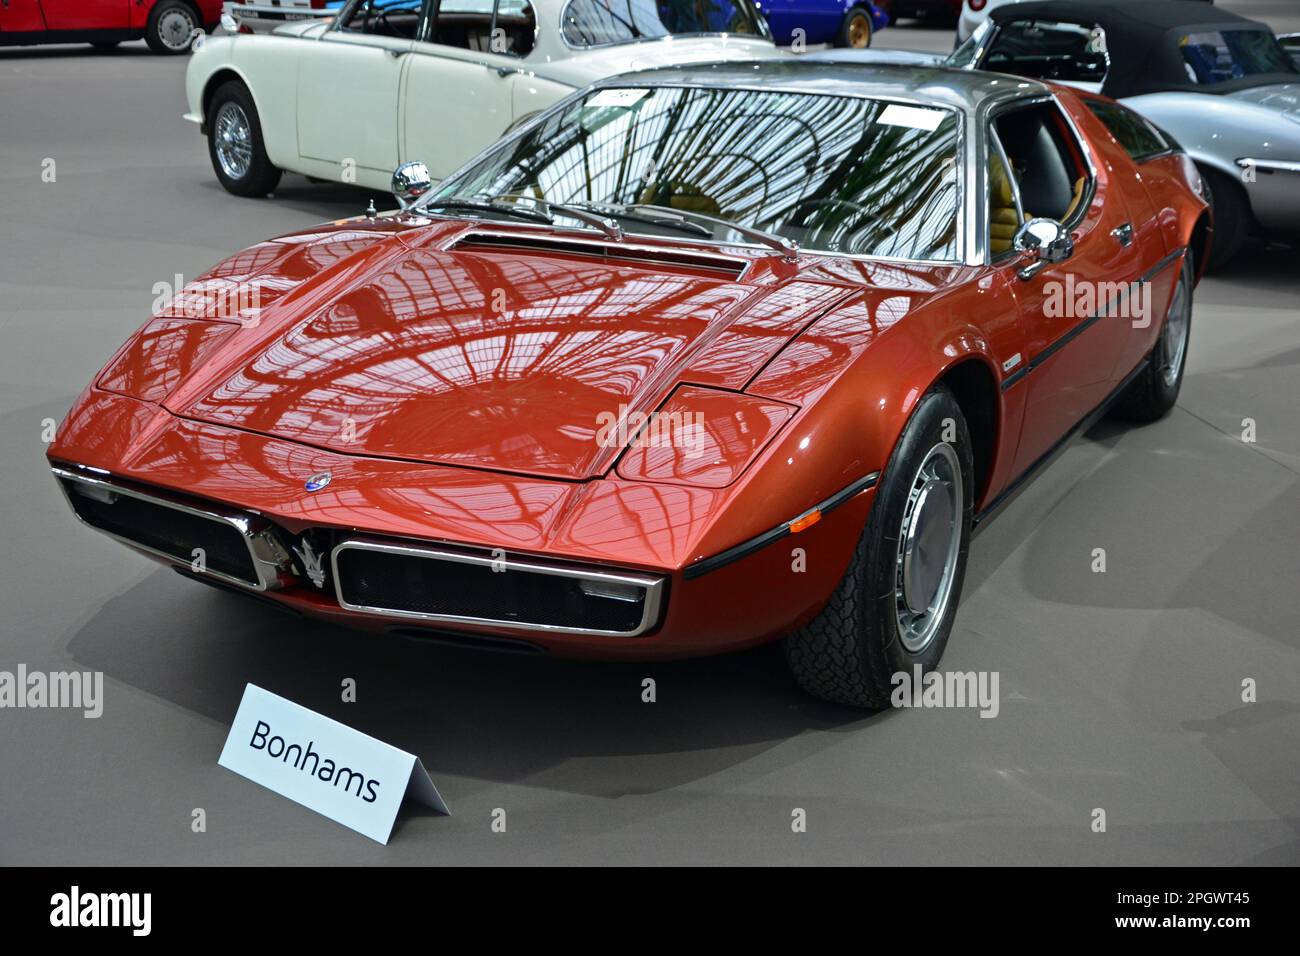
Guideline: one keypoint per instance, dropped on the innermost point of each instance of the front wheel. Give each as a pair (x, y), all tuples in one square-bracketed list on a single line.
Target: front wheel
[(1231, 211), (171, 27), (855, 30), (235, 143), (895, 606), (1153, 393)]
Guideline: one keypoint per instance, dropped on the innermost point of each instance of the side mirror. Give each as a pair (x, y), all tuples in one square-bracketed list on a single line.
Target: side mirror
[(1045, 241), (410, 182)]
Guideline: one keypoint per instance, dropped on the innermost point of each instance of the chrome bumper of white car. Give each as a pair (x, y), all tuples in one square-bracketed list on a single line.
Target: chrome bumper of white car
[(265, 17)]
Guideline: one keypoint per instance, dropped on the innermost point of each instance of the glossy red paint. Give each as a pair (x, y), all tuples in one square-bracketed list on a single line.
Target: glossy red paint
[(463, 394)]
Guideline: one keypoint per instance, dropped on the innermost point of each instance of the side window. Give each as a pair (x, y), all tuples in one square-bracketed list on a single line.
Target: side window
[(384, 18), (1047, 165), (1139, 137), (1049, 50), (504, 27)]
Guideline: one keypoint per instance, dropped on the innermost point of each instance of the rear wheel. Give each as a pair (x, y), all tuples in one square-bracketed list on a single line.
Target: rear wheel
[(1153, 393), (895, 606), (235, 143), (855, 30), (1231, 212)]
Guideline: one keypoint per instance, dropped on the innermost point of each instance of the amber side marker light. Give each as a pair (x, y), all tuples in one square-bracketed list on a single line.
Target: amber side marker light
[(805, 521)]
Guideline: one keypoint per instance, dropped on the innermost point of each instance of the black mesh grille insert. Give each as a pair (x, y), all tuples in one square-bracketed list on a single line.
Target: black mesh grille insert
[(173, 532), (421, 585)]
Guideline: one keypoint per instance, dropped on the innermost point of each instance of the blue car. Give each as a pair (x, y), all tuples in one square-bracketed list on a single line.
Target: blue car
[(848, 23)]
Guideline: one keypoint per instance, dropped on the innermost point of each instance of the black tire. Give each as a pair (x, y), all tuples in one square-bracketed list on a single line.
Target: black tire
[(262, 175), (162, 31), (851, 29), (1152, 394), (849, 653), (1232, 217)]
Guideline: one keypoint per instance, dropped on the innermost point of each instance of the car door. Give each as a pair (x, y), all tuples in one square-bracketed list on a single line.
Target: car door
[(87, 14), (21, 16), (1071, 345), (459, 90), (348, 86), (1152, 189)]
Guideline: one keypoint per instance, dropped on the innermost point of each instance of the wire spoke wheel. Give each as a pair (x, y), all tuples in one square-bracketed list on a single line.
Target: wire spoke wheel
[(233, 140)]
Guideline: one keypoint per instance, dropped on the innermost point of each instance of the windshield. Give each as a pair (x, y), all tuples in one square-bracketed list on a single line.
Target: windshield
[(1220, 56), (834, 173), (602, 22)]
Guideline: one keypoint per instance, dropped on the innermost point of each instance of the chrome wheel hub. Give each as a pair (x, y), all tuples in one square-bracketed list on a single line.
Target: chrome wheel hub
[(233, 140), (175, 28), (929, 543), (1173, 339)]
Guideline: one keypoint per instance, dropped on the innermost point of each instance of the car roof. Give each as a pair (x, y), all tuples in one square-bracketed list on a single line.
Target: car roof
[(1145, 16), (1142, 39), (965, 90)]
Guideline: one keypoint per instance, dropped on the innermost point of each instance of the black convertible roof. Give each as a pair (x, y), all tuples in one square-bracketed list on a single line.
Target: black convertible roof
[(1142, 38)]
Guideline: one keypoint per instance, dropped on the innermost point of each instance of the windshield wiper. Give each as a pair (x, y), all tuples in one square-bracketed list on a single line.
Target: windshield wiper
[(619, 211), (787, 247), (491, 206), (583, 212), (539, 212)]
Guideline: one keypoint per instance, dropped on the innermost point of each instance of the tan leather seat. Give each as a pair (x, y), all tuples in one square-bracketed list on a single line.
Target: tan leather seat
[(1074, 200), (1003, 221)]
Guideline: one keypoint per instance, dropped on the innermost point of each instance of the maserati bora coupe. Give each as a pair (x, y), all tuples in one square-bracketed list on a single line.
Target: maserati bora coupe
[(698, 358)]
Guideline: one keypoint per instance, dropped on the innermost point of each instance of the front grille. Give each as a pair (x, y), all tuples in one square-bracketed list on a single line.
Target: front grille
[(445, 586), (163, 528)]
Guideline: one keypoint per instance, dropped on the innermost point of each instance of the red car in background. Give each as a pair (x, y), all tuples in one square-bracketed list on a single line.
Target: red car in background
[(168, 26), (698, 358)]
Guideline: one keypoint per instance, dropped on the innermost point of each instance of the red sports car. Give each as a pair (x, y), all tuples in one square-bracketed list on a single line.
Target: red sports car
[(168, 26), (699, 358)]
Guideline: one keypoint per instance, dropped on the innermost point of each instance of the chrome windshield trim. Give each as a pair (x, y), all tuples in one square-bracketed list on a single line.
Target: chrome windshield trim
[(968, 253), (254, 531), (652, 585)]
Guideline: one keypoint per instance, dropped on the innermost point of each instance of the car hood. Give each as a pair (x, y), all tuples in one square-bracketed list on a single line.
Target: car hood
[(1281, 98), (588, 66), (449, 344)]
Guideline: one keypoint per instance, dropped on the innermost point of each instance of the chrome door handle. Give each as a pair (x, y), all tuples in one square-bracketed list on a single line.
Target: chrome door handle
[(1123, 233), (396, 54)]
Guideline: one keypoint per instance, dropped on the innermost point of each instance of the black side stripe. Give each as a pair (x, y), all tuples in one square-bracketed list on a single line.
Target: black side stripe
[(705, 565), (1087, 323)]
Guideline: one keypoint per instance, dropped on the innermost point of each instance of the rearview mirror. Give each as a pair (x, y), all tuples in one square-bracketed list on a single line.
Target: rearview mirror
[(410, 182), (1045, 241)]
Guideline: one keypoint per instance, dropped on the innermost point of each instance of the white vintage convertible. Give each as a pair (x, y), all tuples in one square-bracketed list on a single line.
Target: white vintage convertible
[(389, 81)]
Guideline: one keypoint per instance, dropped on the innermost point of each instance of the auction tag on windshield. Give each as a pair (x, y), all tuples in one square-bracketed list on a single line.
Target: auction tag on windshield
[(326, 766), (619, 97), (913, 117)]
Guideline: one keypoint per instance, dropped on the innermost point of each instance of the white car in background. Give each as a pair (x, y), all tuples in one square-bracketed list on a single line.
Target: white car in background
[(385, 82)]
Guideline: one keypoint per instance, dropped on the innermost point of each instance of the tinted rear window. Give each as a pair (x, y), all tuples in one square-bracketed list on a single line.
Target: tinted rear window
[(1139, 137)]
